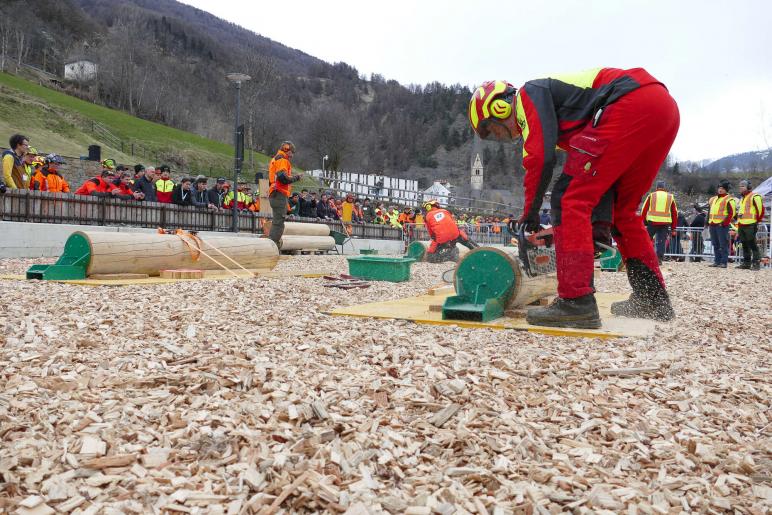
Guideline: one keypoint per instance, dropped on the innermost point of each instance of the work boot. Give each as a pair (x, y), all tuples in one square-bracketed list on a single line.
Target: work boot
[(580, 313), (713, 265), (756, 265), (649, 298), (744, 266)]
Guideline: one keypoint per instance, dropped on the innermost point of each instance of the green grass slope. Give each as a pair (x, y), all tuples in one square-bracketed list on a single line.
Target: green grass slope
[(60, 123)]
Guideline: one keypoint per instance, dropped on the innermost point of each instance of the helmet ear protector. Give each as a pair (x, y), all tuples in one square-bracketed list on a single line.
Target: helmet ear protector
[(501, 108)]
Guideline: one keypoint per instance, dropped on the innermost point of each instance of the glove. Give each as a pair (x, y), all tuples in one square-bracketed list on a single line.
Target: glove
[(673, 233), (3, 188), (530, 221), (512, 227)]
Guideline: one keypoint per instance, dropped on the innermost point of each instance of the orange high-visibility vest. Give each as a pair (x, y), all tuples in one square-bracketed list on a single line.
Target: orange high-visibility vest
[(280, 163), (659, 207), (749, 209)]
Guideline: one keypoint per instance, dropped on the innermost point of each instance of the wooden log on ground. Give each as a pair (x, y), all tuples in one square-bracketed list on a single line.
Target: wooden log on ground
[(304, 229), (140, 253), (182, 273), (290, 242), (117, 277)]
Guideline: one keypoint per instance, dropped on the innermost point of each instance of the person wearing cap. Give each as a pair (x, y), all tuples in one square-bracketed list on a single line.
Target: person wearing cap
[(280, 181), (29, 170), (165, 185), (721, 211), (145, 184), (14, 170), (217, 193), (660, 214), (47, 177), (750, 214), (99, 186)]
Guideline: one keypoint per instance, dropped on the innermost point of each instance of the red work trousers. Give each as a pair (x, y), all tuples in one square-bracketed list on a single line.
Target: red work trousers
[(622, 152)]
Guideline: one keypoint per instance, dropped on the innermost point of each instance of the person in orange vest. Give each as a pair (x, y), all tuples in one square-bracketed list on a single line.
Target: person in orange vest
[(721, 211), (47, 177), (749, 215), (444, 232), (164, 186), (280, 181), (660, 214), (99, 186)]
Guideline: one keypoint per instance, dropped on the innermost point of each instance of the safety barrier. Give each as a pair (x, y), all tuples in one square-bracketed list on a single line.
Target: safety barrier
[(68, 208), (482, 234), (693, 244)]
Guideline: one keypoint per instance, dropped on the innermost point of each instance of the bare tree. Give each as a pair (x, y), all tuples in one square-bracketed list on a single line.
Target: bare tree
[(331, 132), (6, 30)]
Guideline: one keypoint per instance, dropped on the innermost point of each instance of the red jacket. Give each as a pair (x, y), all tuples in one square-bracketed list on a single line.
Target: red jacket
[(94, 185), (550, 111), (441, 226)]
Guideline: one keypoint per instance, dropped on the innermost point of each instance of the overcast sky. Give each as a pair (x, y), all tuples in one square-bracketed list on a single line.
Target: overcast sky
[(715, 56)]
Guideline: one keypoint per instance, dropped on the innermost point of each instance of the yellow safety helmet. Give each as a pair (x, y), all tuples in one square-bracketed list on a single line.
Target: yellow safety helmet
[(491, 102), (429, 203)]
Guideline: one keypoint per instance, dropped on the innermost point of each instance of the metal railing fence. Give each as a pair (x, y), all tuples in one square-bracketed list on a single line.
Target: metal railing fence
[(68, 208)]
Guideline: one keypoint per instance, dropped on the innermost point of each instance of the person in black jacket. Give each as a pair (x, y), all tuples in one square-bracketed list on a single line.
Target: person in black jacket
[(145, 184), (182, 194), (217, 194), (201, 194), (304, 209), (323, 208)]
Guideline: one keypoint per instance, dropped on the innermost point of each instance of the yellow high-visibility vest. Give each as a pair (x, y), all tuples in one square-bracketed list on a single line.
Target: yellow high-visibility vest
[(719, 208), (750, 205), (659, 207), (164, 186)]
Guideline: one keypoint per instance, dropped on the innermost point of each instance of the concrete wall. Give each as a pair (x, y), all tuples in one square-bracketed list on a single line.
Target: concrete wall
[(30, 240)]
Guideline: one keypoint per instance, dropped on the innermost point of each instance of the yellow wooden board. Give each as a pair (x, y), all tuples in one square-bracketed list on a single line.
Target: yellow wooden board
[(210, 275), (417, 309)]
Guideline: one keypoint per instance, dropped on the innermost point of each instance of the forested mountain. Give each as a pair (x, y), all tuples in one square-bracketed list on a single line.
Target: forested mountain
[(165, 61), (756, 161)]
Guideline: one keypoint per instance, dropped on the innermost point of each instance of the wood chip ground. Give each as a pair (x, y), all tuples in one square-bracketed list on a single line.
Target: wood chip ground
[(232, 397)]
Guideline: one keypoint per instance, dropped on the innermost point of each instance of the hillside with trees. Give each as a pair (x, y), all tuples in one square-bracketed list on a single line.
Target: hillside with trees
[(166, 62)]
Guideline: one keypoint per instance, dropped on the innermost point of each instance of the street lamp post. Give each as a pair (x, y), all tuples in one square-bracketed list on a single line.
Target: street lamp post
[(324, 159), (237, 79)]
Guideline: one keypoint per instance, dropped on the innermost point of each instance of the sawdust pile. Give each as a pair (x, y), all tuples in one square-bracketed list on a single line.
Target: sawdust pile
[(241, 397)]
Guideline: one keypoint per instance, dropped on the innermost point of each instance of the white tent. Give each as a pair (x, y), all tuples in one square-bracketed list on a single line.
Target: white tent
[(765, 190)]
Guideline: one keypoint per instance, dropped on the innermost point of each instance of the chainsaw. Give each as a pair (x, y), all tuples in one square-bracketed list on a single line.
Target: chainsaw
[(537, 252)]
